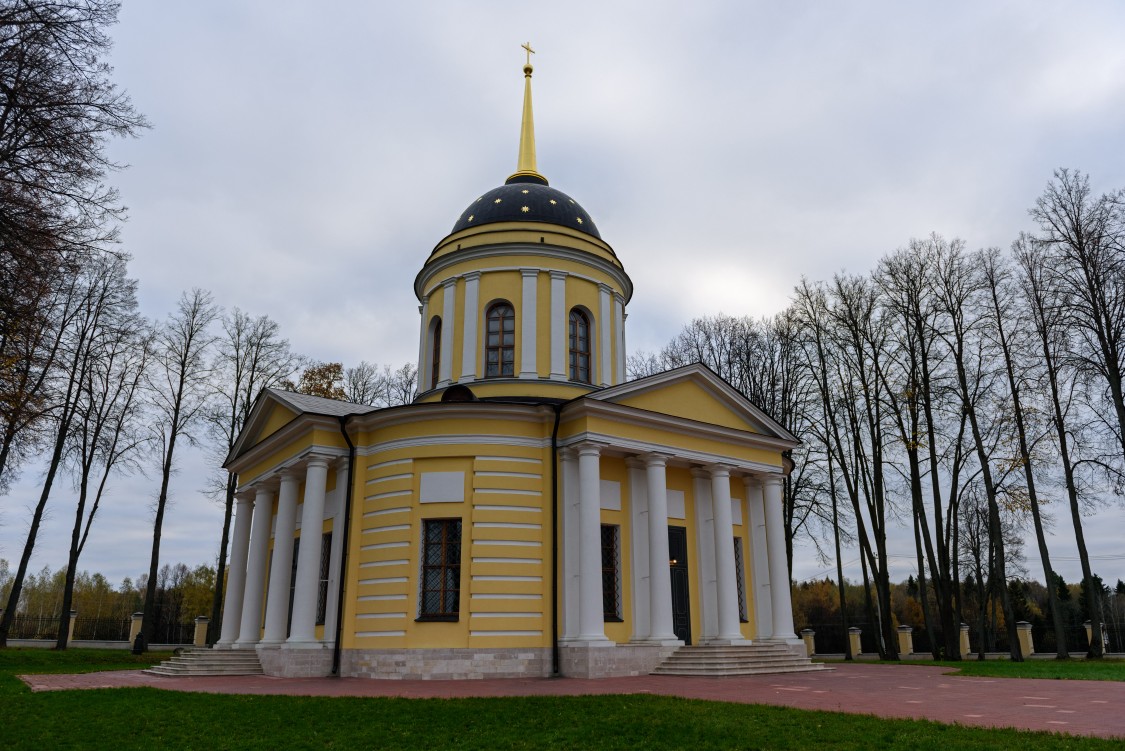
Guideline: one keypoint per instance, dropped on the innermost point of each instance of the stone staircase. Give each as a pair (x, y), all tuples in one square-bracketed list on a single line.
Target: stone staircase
[(207, 661), (753, 659)]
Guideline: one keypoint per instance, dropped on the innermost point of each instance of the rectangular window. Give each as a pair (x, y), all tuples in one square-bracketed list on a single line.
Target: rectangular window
[(740, 580), (611, 572), (322, 590), (440, 596)]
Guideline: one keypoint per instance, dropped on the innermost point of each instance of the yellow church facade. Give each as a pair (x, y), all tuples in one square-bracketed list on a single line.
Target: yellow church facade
[(531, 513)]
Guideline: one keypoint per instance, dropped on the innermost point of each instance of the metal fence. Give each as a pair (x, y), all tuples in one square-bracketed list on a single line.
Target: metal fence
[(98, 629)]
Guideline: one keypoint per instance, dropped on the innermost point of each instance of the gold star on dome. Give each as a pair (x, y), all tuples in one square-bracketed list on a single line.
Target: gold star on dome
[(525, 209), (571, 200), (470, 217), (579, 220), (553, 202), (497, 200), (524, 192)]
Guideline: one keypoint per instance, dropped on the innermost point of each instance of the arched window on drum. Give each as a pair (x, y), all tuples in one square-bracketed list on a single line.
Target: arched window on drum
[(500, 340), (580, 358)]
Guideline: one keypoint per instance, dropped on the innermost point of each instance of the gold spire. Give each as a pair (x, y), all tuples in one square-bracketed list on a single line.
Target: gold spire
[(525, 165)]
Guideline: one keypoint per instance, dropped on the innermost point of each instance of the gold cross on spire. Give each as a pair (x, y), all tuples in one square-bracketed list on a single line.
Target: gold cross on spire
[(530, 51)]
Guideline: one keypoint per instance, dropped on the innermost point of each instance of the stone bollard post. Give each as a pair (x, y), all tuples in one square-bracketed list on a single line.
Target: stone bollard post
[(1027, 641), (135, 626), (807, 636), (70, 630), (965, 648), (853, 640), (905, 640), (200, 639)]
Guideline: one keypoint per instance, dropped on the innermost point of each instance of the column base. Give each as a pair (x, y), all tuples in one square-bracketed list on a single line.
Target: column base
[(657, 641), (623, 660), (596, 642), (270, 644), (723, 641), (297, 661), (223, 645), (245, 645), (310, 644)]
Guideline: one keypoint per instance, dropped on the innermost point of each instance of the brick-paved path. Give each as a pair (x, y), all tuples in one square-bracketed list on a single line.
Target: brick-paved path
[(911, 691)]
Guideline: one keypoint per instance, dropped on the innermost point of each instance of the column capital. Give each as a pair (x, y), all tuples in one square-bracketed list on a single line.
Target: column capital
[(449, 283), (603, 287), (318, 461), (772, 480), (620, 298), (718, 470), (655, 459), (529, 272), (634, 462), (568, 453), (751, 481), (556, 274), (469, 276), (588, 448), (245, 495)]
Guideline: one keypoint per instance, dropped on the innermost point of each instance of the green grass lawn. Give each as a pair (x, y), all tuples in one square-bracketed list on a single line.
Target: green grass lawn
[(149, 718), (1085, 670)]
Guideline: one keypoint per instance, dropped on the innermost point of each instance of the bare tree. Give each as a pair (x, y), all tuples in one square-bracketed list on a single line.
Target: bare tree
[(250, 356), (58, 109), (1007, 323), (104, 431), (88, 301), (178, 387), (1086, 235), (1049, 307)]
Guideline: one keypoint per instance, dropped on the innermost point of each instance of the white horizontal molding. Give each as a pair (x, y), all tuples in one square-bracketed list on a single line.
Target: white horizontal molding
[(379, 633)]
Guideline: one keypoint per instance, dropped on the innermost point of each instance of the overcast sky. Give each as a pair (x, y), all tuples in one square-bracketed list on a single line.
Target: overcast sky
[(306, 157)]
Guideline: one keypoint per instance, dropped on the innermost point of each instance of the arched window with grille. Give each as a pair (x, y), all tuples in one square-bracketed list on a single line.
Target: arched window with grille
[(435, 352), (500, 340), (579, 346)]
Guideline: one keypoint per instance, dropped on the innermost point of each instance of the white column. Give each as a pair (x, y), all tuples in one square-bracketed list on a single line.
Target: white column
[(448, 308), (469, 317), (307, 584), (560, 322), (779, 570), (641, 584), (250, 631), (705, 543), (528, 316), (759, 557), (619, 336), (725, 583), (591, 615), (423, 346), (571, 545), (236, 573), (604, 348), (336, 554), (281, 569), (660, 576)]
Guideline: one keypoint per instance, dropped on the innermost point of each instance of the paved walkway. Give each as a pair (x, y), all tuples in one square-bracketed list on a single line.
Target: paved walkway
[(1094, 708)]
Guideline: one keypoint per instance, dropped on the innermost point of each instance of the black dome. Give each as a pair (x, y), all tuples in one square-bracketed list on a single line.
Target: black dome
[(529, 201)]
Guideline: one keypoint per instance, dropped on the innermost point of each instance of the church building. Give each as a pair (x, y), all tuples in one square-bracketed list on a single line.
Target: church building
[(532, 512)]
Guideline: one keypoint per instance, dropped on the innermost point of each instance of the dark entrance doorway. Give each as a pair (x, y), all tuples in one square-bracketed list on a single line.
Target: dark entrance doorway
[(681, 601)]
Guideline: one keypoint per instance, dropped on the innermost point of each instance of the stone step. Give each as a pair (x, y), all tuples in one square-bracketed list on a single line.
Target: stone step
[(718, 660), (203, 661), (811, 668)]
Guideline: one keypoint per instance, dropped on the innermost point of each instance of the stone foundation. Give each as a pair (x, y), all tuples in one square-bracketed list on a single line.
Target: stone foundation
[(296, 663), (446, 664), (580, 661)]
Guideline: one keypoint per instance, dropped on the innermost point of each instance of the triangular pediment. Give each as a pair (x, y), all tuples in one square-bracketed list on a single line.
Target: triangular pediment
[(694, 392), (274, 409)]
